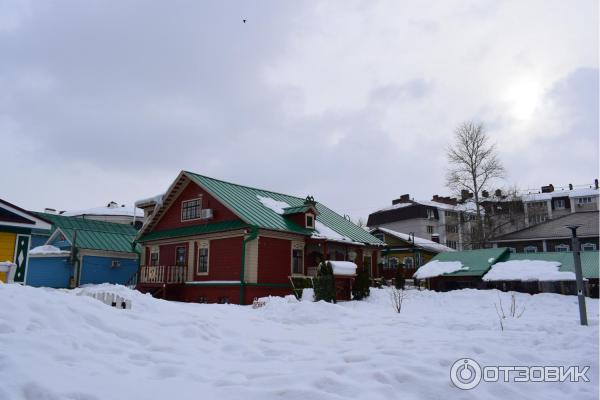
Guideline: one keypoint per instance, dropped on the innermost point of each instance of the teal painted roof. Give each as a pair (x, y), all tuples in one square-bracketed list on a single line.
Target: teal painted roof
[(478, 261), (94, 235), (244, 201), (194, 230), (296, 210), (590, 262)]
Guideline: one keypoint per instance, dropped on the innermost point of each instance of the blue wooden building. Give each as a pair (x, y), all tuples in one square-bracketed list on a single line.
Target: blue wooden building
[(79, 251)]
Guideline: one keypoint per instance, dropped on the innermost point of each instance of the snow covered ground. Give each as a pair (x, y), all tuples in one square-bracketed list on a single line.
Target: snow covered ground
[(55, 344)]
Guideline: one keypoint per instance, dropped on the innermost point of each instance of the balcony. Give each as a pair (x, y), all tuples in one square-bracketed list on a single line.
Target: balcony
[(161, 274)]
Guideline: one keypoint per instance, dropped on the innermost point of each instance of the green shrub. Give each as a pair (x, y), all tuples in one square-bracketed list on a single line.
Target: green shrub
[(325, 283), (399, 278), (360, 288)]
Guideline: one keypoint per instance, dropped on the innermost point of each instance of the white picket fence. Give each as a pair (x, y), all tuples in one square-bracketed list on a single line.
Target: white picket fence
[(111, 299)]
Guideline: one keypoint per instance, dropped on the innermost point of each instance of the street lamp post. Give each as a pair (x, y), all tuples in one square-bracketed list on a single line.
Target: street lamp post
[(578, 274)]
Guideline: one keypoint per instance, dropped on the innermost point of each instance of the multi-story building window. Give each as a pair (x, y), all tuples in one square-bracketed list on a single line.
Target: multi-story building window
[(559, 204), (429, 228), (452, 228), (430, 213), (451, 244), (584, 200)]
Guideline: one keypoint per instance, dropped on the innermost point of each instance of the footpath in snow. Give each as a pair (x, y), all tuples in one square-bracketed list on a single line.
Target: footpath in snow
[(58, 344)]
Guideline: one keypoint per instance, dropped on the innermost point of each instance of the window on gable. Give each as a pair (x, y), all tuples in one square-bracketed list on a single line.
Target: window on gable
[(588, 247), (191, 209), (310, 221)]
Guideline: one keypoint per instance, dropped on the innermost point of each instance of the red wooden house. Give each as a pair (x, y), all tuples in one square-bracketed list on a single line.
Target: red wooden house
[(206, 240)]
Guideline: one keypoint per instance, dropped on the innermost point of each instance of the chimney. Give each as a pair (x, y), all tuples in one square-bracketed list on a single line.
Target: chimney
[(498, 193), (596, 183), (436, 198), (485, 193), (49, 210), (405, 198), (464, 194), (570, 186), (548, 189), (435, 237)]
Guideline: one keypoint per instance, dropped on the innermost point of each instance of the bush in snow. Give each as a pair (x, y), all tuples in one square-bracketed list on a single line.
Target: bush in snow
[(399, 278), (325, 283), (514, 312), (360, 288), (397, 296)]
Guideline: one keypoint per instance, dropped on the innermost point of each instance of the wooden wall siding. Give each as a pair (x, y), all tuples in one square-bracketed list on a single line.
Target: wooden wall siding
[(167, 253), (274, 260), (172, 217), (251, 267), (224, 260), (7, 246)]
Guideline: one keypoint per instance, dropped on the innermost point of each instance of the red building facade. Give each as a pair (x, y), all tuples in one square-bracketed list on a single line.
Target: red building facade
[(218, 242)]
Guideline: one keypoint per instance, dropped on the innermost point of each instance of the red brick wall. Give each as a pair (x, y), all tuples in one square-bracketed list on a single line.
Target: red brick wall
[(224, 260), (172, 218), (274, 260)]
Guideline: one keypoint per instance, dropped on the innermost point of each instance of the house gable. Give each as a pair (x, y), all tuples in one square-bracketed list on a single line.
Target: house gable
[(172, 217)]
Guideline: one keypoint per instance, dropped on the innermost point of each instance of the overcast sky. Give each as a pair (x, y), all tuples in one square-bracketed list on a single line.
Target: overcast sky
[(353, 102)]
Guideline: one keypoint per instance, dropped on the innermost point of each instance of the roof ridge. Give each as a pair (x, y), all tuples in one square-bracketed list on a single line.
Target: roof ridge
[(244, 186), (546, 222)]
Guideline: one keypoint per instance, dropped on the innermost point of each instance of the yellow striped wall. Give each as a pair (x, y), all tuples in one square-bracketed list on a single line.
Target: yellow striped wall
[(7, 246)]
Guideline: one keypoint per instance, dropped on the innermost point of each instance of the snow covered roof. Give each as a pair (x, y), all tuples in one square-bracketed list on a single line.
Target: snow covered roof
[(419, 242), (468, 206), (436, 268), (47, 250), (321, 230), (584, 192), (127, 211), (343, 267), (157, 199), (528, 270)]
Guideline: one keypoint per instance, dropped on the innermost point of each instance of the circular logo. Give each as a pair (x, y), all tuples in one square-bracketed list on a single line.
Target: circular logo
[(465, 373)]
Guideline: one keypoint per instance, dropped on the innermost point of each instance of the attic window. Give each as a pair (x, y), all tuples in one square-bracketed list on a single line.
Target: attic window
[(310, 221), (191, 209)]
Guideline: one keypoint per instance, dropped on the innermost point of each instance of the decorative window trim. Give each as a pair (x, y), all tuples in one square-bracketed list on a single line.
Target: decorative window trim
[(199, 215), (530, 249), (562, 247), (184, 255), (306, 217), (406, 264), (297, 246), (205, 245), (588, 247)]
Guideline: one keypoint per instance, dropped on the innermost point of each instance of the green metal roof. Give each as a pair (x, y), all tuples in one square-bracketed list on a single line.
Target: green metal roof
[(478, 261), (296, 210), (94, 235), (194, 230), (243, 201), (590, 262)]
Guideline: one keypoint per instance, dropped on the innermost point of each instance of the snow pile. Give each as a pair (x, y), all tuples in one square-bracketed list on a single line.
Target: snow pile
[(343, 267), (273, 204), (528, 270), (437, 268), (47, 250), (57, 345)]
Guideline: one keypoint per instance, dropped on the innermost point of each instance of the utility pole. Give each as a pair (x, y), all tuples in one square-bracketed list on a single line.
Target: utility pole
[(578, 274)]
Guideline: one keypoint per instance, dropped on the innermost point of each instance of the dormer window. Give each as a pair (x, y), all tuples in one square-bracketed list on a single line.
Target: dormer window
[(310, 221)]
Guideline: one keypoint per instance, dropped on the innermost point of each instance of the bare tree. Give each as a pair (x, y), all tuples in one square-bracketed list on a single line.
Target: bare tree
[(473, 165), (397, 297)]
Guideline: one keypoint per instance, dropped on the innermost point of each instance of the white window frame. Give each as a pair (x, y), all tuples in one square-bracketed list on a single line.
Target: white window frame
[(590, 247), (199, 209), (184, 258), (432, 229), (530, 249), (306, 220), (154, 250), (584, 200), (562, 247), (202, 246), (430, 213), (452, 244), (560, 204), (298, 246)]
